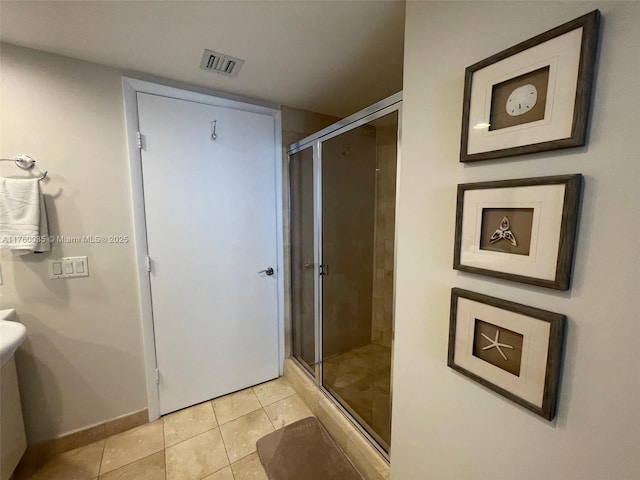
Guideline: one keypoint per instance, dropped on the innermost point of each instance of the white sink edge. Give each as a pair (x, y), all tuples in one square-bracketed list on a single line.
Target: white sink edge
[(12, 335)]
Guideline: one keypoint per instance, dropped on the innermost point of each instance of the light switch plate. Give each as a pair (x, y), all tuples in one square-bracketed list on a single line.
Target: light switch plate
[(68, 267)]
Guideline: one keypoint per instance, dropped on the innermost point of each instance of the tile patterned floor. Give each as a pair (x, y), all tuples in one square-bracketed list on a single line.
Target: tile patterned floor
[(362, 379), (215, 440)]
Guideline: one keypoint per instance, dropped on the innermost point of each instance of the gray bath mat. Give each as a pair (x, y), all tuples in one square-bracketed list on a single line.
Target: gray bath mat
[(304, 451)]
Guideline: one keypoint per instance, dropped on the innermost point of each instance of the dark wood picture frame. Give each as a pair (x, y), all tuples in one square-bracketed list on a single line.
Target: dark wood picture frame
[(581, 106), (566, 238), (557, 322)]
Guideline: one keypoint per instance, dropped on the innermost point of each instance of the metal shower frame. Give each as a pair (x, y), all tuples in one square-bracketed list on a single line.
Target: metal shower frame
[(367, 115)]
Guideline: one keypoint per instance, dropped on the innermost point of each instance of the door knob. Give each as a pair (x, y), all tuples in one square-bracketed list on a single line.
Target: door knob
[(268, 271)]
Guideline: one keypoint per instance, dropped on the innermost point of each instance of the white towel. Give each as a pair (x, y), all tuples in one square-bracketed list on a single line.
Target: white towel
[(45, 243), (23, 220)]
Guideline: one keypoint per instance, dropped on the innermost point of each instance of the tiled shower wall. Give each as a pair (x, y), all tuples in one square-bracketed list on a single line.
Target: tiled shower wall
[(348, 218), (384, 231)]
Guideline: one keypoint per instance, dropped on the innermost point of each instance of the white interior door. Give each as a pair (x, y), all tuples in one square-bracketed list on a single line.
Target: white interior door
[(211, 228)]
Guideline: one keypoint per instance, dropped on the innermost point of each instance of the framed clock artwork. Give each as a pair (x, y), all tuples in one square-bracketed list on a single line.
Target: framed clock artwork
[(532, 97)]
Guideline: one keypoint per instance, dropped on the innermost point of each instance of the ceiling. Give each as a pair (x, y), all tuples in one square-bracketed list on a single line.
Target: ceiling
[(332, 57)]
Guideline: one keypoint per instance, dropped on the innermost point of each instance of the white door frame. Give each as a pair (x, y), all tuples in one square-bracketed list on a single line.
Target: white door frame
[(131, 87)]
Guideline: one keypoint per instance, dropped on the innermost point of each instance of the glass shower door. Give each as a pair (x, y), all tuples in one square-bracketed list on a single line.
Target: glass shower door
[(302, 258), (358, 170)]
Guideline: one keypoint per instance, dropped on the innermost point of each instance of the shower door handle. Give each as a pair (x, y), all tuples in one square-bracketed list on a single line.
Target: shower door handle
[(268, 271)]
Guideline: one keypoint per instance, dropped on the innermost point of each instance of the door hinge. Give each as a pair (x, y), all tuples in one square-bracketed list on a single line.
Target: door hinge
[(157, 376), (148, 263), (324, 269), (139, 140)]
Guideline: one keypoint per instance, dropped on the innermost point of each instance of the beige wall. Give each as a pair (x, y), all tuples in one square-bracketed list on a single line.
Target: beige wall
[(82, 361), (446, 426), (298, 124)]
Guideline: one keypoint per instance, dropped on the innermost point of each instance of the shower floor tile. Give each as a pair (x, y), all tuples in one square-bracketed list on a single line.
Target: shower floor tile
[(361, 378)]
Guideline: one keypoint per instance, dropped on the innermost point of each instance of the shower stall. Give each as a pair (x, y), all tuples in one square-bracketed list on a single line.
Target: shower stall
[(342, 184)]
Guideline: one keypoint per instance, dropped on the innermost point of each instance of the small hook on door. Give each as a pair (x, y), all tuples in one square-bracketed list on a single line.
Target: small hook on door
[(213, 130)]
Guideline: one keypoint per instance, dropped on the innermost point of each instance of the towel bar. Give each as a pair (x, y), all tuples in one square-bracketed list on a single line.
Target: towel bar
[(25, 162)]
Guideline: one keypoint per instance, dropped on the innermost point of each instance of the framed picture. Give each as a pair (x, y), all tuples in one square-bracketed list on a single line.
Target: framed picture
[(521, 230), (510, 348), (532, 97)]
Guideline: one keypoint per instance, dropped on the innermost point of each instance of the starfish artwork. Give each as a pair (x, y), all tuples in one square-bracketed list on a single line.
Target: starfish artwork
[(504, 232), (494, 343)]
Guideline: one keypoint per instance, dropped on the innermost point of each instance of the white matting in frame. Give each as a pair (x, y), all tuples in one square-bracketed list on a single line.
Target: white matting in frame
[(547, 204), (532, 97), (562, 55), (529, 385), (510, 348), (522, 230)]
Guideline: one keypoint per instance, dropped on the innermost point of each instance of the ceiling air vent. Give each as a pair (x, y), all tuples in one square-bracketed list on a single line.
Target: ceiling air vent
[(220, 63)]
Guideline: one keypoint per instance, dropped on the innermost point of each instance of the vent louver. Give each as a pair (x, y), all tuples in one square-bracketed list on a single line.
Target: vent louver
[(220, 63)]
